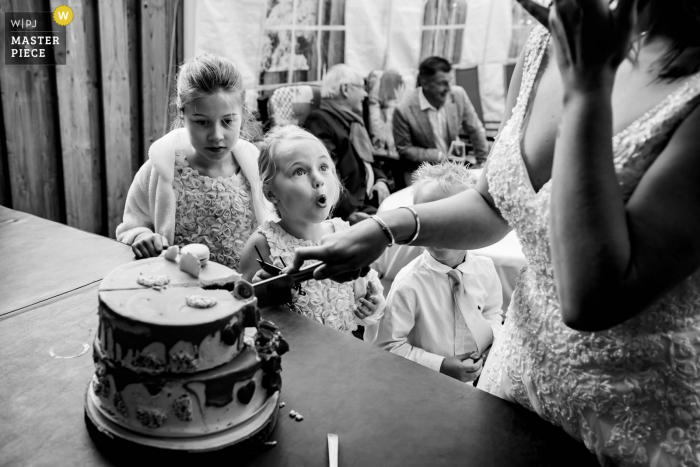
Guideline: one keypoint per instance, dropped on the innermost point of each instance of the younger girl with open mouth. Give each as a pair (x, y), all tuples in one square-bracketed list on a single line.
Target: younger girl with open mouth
[(298, 177)]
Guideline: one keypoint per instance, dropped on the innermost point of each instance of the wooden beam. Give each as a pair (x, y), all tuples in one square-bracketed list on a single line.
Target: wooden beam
[(154, 67), (28, 94), (116, 104), (5, 192), (77, 84), (133, 21), (178, 57)]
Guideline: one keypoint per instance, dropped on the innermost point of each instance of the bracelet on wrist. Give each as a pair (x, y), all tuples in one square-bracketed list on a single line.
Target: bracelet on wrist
[(386, 229), (417, 232)]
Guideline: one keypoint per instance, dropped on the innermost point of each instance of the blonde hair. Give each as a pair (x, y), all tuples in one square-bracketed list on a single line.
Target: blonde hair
[(206, 75), (336, 76), (451, 177), (269, 147)]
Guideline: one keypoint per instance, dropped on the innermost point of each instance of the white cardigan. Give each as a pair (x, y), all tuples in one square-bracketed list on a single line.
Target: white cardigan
[(150, 203)]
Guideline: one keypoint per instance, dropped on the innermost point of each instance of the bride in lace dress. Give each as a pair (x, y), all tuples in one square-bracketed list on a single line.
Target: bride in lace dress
[(597, 168)]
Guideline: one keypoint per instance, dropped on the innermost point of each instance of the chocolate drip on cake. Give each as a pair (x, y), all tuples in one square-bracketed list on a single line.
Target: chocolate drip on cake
[(217, 379)]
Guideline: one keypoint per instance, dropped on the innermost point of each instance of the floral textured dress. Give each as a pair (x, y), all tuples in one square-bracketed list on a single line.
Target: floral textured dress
[(326, 301), (630, 393), (216, 212)]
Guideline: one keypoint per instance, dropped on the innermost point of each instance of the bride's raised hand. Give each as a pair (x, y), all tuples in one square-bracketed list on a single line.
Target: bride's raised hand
[(591, 38), (344, 253)]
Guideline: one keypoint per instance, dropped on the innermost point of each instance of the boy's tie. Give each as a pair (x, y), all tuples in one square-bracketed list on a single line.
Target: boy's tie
[(469, 315)]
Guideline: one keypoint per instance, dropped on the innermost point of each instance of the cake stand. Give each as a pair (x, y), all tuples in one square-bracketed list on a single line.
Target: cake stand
[(117, 441)]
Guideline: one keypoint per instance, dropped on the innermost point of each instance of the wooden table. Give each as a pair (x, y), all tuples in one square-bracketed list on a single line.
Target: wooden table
[(42, 259), (386, 410)]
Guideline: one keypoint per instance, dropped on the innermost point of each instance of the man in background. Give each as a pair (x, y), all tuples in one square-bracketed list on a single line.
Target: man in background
[(432, 116)]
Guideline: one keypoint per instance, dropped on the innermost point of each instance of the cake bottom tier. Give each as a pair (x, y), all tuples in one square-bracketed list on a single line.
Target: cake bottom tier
[(127, 447), (183, 405)]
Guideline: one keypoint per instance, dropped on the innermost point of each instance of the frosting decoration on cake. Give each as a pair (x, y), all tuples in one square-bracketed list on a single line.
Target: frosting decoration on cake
[(199, 301), (157, 282)]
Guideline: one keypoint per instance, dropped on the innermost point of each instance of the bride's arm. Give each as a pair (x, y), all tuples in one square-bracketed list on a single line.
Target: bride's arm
[(463, 221), (612, 259), (467, 220)]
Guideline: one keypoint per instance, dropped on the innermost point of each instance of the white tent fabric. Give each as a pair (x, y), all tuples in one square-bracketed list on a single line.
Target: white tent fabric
[(486, 43), (373, 26), (233, 29), (367, 22)]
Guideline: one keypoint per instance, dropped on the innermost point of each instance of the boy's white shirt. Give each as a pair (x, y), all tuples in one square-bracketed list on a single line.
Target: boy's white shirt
[(418, 322), (150, 204)]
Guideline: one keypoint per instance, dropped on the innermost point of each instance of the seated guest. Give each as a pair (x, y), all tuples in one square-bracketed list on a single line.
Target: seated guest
[(386, 90), (444, 307), (338, 124), (432, 116)]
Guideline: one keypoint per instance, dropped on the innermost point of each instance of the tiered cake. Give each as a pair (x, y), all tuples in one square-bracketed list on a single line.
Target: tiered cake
[(183, 354)]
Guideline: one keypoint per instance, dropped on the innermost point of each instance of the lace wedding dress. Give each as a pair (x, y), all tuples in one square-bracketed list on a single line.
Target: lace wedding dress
[(630, 393)]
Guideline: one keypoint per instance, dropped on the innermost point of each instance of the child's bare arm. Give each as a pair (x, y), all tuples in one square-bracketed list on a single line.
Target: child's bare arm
[(249, 265), (370, 308)]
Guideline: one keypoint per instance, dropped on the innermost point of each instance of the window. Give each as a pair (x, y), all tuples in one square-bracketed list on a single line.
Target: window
[(301, 40), (523, 24), (443, 29)]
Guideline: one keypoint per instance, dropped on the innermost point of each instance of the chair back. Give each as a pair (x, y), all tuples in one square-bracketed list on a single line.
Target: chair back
[(468, 78), (292, 103)]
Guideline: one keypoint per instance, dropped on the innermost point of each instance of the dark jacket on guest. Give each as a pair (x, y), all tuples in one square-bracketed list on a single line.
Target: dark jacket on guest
[(333, 129)]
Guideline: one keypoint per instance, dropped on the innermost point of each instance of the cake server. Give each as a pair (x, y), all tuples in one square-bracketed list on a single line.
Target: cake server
[(277, 290)]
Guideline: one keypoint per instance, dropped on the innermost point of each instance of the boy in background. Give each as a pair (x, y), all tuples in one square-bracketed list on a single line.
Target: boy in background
[(444, 307)]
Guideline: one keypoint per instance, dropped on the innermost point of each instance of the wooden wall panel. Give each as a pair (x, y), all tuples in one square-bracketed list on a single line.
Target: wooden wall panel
[(72, 137), (162, 52), (116, 104), (133, 22), (155, 29), (5, 192), (175, 12), (79, 115), (28, 94)]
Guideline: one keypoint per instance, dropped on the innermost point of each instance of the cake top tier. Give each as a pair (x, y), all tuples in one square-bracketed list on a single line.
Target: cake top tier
[(156, 291), (127, 275)]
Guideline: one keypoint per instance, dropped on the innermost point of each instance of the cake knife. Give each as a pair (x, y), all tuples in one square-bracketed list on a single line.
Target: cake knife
[(277, 290), (332, 450)]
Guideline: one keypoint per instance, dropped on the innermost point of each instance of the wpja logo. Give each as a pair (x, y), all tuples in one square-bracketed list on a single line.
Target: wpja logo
[(37, 38)]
